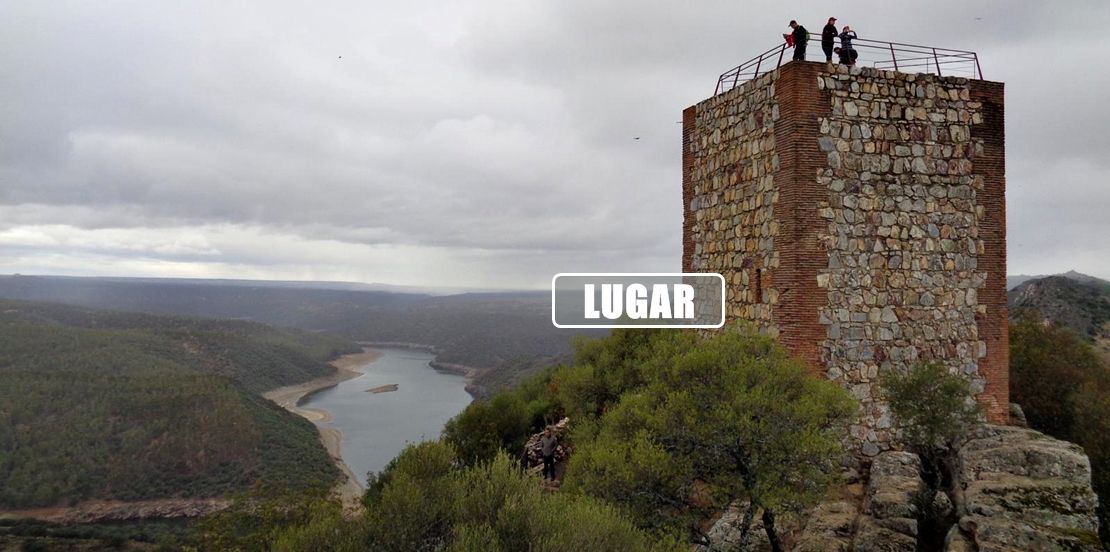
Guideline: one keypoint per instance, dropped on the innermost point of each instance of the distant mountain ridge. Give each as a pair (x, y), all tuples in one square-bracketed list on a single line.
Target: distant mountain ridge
[(286, 284), (1016, 280), (1074, 300)]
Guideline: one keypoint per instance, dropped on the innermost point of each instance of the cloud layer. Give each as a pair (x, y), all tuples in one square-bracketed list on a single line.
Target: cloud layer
[(487, 143)]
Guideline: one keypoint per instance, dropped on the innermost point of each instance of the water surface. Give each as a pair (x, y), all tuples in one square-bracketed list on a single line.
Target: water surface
[(376, 426)]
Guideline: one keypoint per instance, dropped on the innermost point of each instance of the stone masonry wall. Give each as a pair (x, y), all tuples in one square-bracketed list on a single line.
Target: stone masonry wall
[(730, 195), (902, 232), (859, 215)]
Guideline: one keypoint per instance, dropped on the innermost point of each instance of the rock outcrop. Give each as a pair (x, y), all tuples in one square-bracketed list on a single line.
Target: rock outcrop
[(829, 528), (1014, 489), (891, 512), (1018, 489)]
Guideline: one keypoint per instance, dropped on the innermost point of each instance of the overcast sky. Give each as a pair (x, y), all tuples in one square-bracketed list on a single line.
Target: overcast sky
[(480, 143)]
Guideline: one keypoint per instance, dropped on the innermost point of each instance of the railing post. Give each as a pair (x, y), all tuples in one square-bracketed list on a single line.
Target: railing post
[(936, 60), (757, 64), (893, 56), (737, 79), (782, 52), (977, 68)]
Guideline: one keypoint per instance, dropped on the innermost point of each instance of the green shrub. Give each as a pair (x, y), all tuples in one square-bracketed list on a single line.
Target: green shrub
[(931, 406)]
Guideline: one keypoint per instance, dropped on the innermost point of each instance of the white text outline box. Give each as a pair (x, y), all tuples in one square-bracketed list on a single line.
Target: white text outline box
[(633, 275)]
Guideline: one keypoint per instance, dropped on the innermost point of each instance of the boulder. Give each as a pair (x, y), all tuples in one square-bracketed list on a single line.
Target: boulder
[(1019, 489), (894, 490), (829, 527), (1017, 416), (872, 537), (725, 533)]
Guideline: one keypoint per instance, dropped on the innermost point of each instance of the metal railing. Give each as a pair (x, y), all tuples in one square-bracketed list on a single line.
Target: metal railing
[(907, 58)]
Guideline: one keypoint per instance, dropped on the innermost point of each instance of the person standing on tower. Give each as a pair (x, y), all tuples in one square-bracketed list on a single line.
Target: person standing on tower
[(828, 38), (801, 37), (846, 38)]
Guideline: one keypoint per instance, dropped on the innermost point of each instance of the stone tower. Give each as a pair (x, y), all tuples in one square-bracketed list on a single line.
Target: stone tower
[(859, 215)]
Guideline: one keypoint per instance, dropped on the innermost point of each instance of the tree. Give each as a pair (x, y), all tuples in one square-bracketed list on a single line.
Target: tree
[(485, 427), (934, 409), (1064, 389), (1048, 366), (731, 417), (605, 368), (931, 406)]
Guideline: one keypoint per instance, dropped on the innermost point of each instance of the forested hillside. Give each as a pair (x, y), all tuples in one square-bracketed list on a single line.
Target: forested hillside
[(108, 405), (505, 334), (258, 356), (1075, 301)]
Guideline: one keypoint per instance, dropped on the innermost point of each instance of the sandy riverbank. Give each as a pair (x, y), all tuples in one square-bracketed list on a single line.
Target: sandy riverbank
[(348, 367)]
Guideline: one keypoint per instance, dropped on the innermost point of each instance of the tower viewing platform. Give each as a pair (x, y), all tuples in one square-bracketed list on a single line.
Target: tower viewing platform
[(858, 213), (894, 56)]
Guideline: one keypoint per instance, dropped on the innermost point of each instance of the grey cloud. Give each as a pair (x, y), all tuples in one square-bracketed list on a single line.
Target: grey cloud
[(493, 134)]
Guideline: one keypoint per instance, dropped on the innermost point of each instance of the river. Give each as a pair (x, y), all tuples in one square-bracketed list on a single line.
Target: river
[(377, 426)]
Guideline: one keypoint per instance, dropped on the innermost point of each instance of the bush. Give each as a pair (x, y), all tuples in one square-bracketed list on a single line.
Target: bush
[(931, 406), (429, 504), (503, 423), (1049, 364)]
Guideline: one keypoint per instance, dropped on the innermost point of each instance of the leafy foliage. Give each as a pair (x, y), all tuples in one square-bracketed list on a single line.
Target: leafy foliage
[(1049, 365), (932, 406), (257, 515), (433, 502), (668, 428), (727, 418), (485, 427), (607, 368), (1064, 389), (32, 534)]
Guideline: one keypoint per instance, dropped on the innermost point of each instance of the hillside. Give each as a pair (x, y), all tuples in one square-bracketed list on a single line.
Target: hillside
[(504, 334), (123, 406), (1076, 301)]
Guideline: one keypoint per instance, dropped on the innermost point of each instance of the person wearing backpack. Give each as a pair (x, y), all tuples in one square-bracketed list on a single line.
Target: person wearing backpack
[(828, 38), (801, 37)]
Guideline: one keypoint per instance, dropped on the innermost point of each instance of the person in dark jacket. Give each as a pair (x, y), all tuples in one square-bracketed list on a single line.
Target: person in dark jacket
[(828, 38), (844, 55), (547, 447), (846, 38), (801, 36)]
